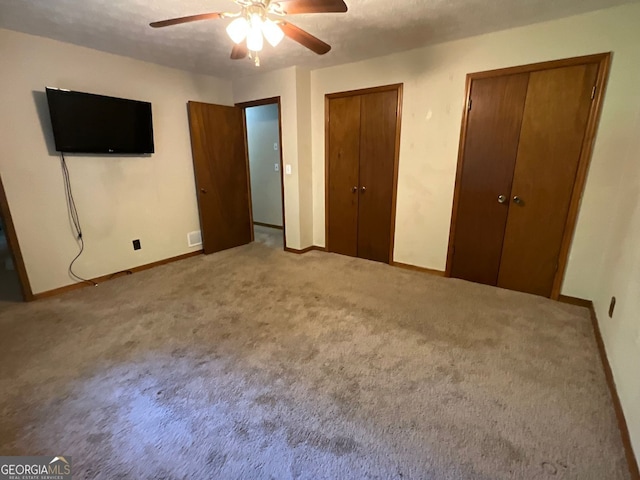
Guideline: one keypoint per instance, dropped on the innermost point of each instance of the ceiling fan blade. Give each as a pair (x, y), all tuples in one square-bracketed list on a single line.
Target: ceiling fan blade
[(239, 51), (190, 18), (313, 6), (304, 38)]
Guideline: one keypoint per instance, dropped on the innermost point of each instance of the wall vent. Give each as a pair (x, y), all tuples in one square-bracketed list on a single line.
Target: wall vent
[(194, 238)]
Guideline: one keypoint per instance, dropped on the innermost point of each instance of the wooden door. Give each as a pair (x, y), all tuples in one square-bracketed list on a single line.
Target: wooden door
[(553, 130), (220, 166), (343, 167), (490, 149), (378, 124)]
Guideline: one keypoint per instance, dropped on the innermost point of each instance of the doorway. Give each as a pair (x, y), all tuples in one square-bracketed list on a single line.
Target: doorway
[(14, 284), (264, 152), (219, 145)]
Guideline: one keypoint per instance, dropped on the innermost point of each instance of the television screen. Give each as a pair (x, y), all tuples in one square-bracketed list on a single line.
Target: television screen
[(87, 123)]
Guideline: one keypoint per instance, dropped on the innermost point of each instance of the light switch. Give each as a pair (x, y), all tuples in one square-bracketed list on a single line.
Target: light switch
[(287, 169), (276, 167)]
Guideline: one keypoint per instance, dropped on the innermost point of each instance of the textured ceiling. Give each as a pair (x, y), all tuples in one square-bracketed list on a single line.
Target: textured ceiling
[(371, 28)]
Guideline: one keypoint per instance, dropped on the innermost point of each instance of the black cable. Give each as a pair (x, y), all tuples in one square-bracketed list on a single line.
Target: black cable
[(75, 219)]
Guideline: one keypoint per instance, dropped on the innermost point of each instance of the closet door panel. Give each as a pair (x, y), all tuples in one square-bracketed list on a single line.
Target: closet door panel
[(491, 145), (378, 123), (344, 159), (553, 130)]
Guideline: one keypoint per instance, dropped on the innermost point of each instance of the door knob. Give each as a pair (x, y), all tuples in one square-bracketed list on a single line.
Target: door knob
[(502, 199), (364, 189), (354, 189), (518, 200), (203, 190)]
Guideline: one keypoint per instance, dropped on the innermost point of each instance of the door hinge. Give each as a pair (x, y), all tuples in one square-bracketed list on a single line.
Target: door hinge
[(593, 92), (469, 104)]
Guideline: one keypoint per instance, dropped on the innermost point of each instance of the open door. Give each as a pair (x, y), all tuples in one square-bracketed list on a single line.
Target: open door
[(9, 236), (222, 181)]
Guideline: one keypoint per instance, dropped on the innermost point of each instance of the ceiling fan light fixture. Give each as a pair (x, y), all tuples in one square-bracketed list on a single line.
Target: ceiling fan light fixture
[(238, 30), (255, 41), (272, 32)]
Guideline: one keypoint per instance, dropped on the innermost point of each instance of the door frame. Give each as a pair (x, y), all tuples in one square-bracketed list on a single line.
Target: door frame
[(604, 61), (398, 87), (14, 246), (259, 103)]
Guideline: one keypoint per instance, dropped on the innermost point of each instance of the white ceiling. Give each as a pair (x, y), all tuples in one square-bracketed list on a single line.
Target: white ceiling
[(370, 28)]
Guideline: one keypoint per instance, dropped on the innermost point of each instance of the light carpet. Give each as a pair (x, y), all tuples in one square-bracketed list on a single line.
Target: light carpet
[(255, 363)]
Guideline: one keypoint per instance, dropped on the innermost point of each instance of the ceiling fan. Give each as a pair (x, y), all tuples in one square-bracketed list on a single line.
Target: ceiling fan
[(253, 24)]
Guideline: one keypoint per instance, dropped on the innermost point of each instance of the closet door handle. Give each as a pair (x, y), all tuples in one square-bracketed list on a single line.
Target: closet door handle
[(364, 189), (354, 189), (203, 190), (502, 199), (518, 200)]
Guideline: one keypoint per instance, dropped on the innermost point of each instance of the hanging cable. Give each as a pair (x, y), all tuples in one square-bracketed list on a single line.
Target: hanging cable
[(75, 220)]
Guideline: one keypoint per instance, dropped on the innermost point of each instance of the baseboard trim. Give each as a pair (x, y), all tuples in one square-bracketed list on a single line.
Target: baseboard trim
[(580, 302), (305, 250), (415, 268), (103, 278), (268, 225), (632, 462)]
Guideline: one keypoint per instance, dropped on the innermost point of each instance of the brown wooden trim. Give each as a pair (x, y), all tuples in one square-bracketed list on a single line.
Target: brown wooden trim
[(103, 278), (14, 246), (305, 250), (415, 268), (259, 103), (580, 302), (327, 113), (399, 87), (248, 169), (535, 67), (365, 91), (632, 462), (268, 225), (458, 182), (396, 166), (603, 60)]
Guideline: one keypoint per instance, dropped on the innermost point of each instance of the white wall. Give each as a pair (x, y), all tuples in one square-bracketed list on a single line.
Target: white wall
[(118, 198), (263, 140), (290, 85), (434, 80), (621, 278)]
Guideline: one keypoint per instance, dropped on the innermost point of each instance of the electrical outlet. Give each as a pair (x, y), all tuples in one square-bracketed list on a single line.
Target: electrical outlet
[(612, 306), (276, 167), (275, 147), (136, 245)]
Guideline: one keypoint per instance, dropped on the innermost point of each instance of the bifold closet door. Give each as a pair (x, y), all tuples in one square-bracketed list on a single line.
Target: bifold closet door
[(378, 124), (491, 145), (553, 130), (343, 172)]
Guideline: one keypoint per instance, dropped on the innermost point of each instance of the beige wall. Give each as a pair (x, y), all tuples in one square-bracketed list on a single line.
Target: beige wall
[(263, 140), (118, 198), (292, 86), (434, 80)]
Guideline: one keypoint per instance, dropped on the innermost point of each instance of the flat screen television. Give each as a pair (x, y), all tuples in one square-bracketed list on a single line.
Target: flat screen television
[(88, 123)]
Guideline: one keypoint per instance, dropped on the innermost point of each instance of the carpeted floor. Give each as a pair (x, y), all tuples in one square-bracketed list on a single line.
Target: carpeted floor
[(256, 363), (271, 237)]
